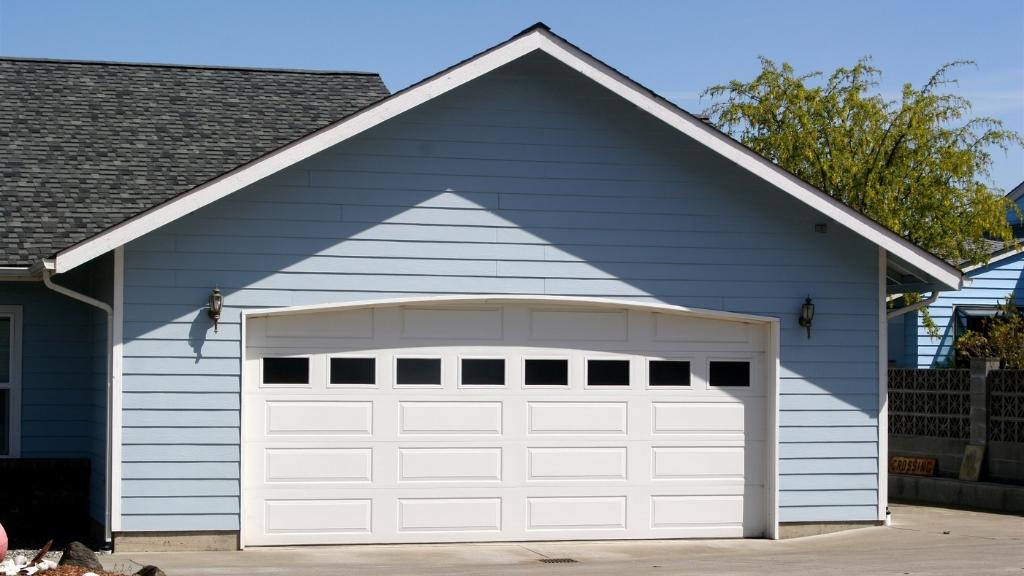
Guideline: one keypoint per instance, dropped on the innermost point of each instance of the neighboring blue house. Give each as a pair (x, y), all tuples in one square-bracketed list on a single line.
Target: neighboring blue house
[(985, 287), (523, 299)]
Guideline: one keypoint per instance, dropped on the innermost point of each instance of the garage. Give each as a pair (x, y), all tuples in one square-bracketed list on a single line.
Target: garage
[(504, 419)]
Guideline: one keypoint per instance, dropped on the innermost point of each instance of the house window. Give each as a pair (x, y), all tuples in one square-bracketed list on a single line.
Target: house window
[(974, 318), (10, 380)]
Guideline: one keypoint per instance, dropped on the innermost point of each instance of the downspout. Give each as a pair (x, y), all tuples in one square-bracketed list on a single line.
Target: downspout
[(47, 273), (915, 306)]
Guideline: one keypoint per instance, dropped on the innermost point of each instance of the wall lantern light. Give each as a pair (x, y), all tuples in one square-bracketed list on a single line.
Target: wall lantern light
[(216, 304), (807, 315)]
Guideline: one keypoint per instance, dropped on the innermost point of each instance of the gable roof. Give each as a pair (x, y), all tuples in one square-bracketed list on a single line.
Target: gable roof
[(929, 269), (88, 145), (1017, 193)]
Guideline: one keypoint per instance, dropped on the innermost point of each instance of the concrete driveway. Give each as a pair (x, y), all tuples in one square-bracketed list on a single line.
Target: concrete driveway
[(921, 541)]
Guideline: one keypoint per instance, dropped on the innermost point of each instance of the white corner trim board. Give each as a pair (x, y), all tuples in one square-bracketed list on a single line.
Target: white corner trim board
[(537, 38), (883, 390), (115, 402)]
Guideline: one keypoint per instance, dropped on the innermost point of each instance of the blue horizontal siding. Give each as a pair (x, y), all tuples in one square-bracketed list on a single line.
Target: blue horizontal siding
[(179, 470), (812, 482), (504, 186), (179, 487), (179, 453), (990, 286), (828, 513), (180, 436), (178, 522), (793, 450), (181, 505), (829, 498), (828, 466)]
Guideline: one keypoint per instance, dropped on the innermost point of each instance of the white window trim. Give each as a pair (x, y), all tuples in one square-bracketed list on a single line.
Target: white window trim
[(14, 399)]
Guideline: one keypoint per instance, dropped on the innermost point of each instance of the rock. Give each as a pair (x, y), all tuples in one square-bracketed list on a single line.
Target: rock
[(150, 571), (90, 574), (21, 560), (78, 554)]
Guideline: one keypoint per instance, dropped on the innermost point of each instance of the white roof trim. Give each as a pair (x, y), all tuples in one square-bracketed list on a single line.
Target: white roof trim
[(509, 299), (537, 38), (1017, 193), (1003, 256)]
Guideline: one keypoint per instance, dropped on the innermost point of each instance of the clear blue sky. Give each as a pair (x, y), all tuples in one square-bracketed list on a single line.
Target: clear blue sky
[(676, 48)]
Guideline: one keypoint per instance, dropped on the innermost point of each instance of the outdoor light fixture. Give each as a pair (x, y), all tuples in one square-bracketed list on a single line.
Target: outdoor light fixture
[(216, 305), (807, 315)]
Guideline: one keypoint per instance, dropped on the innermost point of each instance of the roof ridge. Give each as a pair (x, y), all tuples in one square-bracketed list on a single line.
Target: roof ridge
[(186, 66)]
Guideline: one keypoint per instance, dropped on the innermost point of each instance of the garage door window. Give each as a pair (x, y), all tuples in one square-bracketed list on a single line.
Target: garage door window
[(483, 372), (354, 371), (607, 372), (668, 373), (546, 372), (286, 370), (418, 371), (729, 373)]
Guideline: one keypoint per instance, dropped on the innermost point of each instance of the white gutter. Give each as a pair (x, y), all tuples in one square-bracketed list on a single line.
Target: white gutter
[(916, 306), (110, 346), (16, 273)]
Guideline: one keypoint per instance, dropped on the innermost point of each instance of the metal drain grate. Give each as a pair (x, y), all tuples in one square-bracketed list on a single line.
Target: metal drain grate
[(558, 560)]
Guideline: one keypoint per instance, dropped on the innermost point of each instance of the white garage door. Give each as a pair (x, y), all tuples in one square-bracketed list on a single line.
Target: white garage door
[(502, 420)]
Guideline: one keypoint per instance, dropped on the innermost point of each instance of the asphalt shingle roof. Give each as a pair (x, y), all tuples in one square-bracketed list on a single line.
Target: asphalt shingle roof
[(87, 145)]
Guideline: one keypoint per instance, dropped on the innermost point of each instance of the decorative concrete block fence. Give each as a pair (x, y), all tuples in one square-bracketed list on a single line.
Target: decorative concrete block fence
[(938, 413)]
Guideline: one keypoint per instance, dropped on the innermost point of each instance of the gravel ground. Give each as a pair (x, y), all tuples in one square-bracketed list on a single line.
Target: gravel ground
[(55, 556), (30, 554)]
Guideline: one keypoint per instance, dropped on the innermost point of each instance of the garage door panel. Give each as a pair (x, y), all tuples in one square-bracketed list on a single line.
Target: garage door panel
[(677, 462), (448, 324), (319, 516), (576, 513), (449, 464), (691, 417), (450, 418), (577, 417), (318, 464), (482, 461), (577, 463), (692, 510), (577, 326), (318, 418), (449, 514)]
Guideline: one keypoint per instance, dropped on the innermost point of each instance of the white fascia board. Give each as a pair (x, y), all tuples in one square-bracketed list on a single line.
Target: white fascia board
[(1017, 193), (509, 299), (556, 47), (998, 258)]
